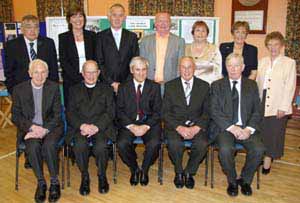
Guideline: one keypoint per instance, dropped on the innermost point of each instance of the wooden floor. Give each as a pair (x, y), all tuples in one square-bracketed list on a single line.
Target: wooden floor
[(282, 185)]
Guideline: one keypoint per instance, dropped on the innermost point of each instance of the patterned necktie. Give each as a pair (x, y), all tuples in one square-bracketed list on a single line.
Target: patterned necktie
[(32, 52), (187, 92), (235, 103), (138, 100)]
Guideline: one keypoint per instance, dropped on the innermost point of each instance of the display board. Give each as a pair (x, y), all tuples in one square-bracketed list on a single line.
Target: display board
[(141, 25)]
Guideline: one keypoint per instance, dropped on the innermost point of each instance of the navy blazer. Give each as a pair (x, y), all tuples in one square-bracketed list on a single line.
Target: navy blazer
[(17, 60), (249, 55)]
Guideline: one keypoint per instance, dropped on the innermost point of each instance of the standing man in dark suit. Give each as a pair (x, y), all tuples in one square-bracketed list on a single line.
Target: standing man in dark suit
[(236, 114), (25, 48), (90, 114), (185, 115), (36, 112), (138, 113), (115, 48)]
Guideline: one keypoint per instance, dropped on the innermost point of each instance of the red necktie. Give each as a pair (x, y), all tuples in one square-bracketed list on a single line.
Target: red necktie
[(138, 100)]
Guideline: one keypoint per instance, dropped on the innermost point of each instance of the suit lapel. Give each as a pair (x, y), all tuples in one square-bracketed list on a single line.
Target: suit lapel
[(30, 98), (72, 44), (44, 99), (181, 94), (146, 90), (193, 91), (112, 39), (40, 44), (227, 90), (244, 90), (168, 53), (24, 49)]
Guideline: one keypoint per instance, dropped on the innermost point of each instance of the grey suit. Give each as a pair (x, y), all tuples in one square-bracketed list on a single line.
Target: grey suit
[(222, 114), (175, 50)]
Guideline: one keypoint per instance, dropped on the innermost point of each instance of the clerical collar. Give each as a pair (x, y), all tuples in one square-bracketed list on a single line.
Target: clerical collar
[(36, 87), (90, 86)]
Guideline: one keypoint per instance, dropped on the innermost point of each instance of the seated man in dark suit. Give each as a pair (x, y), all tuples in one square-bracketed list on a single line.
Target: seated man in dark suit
[(236, 114), (25, 48), (90, 115), (36, 112), (138, 113), (185, 115)]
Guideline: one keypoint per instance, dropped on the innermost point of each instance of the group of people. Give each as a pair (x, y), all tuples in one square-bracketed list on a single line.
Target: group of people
[(113, 87)]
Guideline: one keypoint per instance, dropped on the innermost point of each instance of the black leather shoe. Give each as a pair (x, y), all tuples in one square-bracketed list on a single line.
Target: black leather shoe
[(232, 189), (265, 171), (245, 187), (27, 165), (144, 178), (189, 181), (84, 186), (103, 186), (178, 180), (54, 193), (40, 193), (134, 179)]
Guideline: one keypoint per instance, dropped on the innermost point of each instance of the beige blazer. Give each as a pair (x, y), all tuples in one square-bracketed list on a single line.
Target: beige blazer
[(281, 86)]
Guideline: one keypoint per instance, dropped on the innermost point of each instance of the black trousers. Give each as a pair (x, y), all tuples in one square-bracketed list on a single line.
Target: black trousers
[(127, 152), (46, 149), (176, 149), (255, 151), (100, 150)]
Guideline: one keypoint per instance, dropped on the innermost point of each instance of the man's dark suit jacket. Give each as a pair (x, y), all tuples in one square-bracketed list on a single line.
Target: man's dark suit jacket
[(249, 55), (17, 60), (150, 103), (175, 110), (68, 55), (114, 63), (23, 108), (221, 105), (98, 110)]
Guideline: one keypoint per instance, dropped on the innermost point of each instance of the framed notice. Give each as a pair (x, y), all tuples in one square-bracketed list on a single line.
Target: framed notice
[(253, 11)]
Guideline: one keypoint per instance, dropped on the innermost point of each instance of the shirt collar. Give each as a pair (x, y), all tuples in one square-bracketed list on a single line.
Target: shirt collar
[(28, 41), (238, 80), (116, 31), (191, 81), (136, 83)]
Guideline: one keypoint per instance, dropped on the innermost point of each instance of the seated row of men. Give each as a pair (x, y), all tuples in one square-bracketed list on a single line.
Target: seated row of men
[(231, 107)]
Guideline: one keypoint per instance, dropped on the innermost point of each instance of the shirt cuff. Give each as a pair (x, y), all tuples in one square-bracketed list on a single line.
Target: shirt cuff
[(251, 129), (229, 128), (128, 126)]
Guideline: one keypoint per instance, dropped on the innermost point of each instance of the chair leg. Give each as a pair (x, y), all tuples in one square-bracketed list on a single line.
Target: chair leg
[(63, 169), (160, 164), (68, 167), (206, 168), (258, 178), (17, 170), (114, 163), (212, 167)]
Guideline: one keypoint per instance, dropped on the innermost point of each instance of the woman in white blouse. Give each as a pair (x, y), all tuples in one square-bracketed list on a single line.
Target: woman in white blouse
[(207, 57), (75, 47), (276, 79)]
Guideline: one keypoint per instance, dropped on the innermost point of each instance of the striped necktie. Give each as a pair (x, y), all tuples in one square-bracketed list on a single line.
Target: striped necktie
[(32, 52)]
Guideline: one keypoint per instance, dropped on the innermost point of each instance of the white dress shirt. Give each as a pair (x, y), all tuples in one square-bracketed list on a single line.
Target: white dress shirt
[(240, 122), (117, 34), (81, 54), (184, 85)]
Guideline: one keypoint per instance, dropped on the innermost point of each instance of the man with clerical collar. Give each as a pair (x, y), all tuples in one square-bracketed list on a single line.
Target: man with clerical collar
[(36, 112), (90, 115), (236, 115), (138, 114), (185, 115)]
